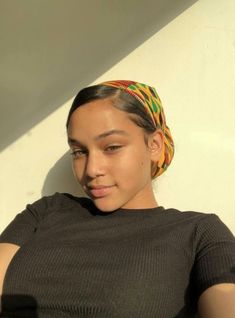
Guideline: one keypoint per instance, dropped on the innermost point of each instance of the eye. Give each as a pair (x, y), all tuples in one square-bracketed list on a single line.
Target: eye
[(77, 153), (113, 148)]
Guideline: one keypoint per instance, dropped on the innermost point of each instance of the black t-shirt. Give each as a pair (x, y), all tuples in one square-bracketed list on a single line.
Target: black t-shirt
[(76, 261)]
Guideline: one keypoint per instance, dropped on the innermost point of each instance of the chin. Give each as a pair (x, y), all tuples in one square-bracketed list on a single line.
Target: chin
[(105, 205)]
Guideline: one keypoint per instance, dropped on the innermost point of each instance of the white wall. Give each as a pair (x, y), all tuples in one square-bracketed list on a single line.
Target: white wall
[(191, 62)]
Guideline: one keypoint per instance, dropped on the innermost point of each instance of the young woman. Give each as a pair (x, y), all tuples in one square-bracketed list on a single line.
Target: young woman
[(116, 253)]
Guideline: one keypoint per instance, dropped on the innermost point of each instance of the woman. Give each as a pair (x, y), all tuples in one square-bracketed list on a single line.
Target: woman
[(117, 253)]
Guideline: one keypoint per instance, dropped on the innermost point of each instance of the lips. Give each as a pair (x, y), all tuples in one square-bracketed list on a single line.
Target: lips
[(100, 191)]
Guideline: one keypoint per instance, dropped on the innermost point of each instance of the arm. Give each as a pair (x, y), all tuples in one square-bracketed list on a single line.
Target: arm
[(22, 229), (7, 252), (217, 301), (214, 273)]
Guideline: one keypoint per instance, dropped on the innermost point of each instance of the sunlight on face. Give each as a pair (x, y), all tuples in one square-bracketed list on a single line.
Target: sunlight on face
[(110, 158)]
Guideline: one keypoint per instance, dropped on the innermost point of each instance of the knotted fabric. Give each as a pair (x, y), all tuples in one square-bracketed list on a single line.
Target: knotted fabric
[(149, 98)]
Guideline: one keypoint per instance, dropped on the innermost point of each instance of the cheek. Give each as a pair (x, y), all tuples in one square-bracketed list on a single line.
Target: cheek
[(74, 169), (134, 164), (77, 169)]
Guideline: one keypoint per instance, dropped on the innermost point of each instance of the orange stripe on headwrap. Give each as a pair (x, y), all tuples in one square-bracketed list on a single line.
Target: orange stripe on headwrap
[(149, 98)]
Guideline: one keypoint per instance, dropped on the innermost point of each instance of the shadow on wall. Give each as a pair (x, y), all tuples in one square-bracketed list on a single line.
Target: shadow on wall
[(61, 179), (51, 49)]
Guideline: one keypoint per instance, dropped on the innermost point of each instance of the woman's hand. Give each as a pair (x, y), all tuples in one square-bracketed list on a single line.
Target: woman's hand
[(217, 301)]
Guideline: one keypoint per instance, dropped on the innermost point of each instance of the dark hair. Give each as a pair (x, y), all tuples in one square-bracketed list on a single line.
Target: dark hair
[(121, 100)]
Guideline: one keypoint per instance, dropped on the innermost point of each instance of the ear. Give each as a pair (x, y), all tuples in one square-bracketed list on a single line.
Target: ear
[(155, 144)]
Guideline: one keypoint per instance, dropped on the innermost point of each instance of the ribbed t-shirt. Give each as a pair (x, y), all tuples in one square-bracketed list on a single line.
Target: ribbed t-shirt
[(76, 261)]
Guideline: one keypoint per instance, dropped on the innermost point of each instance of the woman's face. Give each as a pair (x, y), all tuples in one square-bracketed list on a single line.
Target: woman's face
[(110, 158)]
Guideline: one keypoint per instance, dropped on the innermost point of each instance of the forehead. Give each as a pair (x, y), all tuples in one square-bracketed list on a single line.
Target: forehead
[(98, 116)]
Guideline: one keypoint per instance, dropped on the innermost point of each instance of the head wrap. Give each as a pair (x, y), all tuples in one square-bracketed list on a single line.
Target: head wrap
[(149, 98)]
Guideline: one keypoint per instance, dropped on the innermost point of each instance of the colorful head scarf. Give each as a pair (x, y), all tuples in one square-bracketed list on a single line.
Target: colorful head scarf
[(149, 98)]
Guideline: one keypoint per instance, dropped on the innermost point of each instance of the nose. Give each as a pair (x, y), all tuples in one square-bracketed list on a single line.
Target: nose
[(94, 165)]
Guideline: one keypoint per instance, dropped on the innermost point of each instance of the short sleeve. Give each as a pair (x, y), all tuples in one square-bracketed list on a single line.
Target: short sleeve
[(215, 254), (25, 224)]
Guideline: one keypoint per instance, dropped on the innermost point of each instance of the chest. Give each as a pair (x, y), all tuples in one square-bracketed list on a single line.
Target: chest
[(122, 269)]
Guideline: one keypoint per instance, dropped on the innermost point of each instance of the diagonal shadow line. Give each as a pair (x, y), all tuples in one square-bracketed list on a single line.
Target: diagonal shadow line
[(49, 50)]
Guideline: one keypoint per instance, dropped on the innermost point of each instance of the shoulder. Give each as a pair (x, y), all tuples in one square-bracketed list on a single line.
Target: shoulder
[(194, 219), (204, 228), (26, 223), (213, 247), (58, 201), (200, 219)]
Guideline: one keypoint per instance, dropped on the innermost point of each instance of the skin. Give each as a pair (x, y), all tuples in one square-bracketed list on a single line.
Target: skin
[(217, 302), (7, 252), (120, 160)]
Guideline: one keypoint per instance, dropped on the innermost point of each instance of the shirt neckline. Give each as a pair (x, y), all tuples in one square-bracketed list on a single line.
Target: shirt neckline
[(132, 212), (88, 203)]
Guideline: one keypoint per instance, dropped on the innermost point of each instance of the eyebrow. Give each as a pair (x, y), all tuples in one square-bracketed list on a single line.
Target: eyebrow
[(101, 136)]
